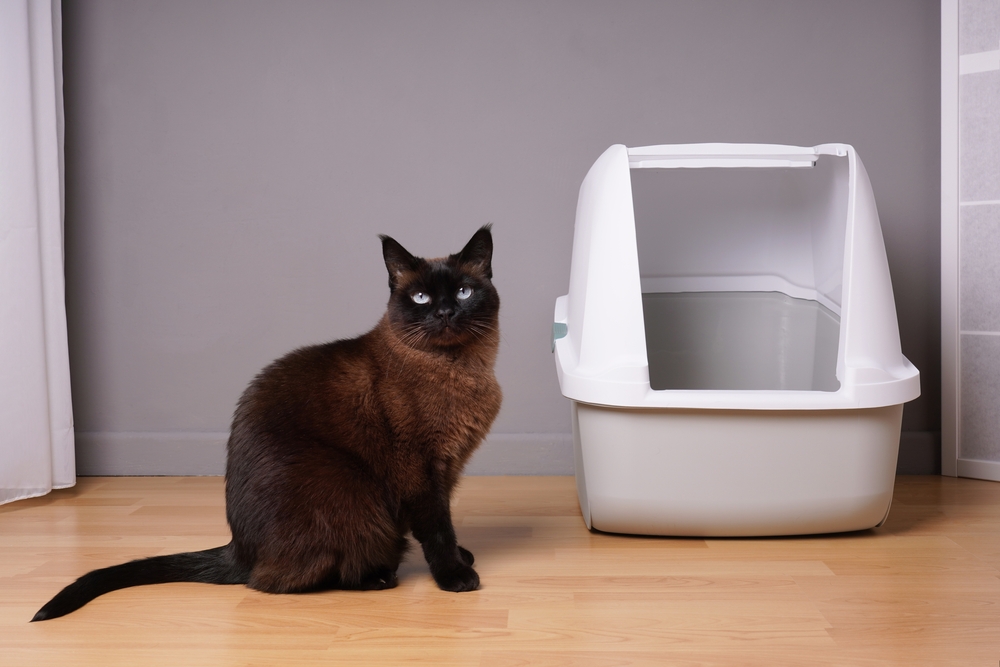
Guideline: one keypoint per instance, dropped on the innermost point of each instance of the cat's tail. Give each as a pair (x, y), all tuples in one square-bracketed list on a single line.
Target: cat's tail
[(212, 566)]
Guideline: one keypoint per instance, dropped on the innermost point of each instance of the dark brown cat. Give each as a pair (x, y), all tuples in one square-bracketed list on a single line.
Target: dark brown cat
[(337, 451)]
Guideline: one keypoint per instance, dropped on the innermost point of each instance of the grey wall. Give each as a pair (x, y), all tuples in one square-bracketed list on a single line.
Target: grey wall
[(230, 162)]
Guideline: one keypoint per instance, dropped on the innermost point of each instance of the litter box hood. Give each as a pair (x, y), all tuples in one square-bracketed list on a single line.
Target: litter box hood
[(826, 248)]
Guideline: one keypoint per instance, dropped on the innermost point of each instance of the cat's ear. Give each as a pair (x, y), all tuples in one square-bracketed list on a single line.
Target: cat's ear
[(398, 260), (478, 252)]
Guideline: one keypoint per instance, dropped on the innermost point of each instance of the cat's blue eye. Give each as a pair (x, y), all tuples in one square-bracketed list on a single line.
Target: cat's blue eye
[(420, 298), (464, 293)]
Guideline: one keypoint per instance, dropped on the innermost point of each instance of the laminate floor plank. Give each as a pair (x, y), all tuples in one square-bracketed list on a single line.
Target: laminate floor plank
[(923, 589)]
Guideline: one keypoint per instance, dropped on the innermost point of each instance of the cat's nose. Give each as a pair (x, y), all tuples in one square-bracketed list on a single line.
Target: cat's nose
[(445, 313)]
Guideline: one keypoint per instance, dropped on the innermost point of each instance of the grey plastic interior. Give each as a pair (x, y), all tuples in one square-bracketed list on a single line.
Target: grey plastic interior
[(740, 340), (741, 225)]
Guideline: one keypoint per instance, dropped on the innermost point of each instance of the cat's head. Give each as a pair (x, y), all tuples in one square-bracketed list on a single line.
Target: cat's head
[(446, 302)]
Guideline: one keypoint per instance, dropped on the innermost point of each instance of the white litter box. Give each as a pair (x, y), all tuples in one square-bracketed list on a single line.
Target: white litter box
[(729, 343)]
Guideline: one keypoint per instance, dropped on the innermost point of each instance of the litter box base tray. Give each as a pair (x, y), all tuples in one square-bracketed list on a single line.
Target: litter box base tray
[(732, 473)]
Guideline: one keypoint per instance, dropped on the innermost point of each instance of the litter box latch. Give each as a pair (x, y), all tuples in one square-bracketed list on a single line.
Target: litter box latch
[(559, 330)]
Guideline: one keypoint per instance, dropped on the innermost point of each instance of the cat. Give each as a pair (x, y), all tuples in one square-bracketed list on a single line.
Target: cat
[(337, 451)]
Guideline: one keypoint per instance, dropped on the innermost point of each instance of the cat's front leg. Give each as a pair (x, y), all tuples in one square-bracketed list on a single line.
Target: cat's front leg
[(466, 555), (450, 564)]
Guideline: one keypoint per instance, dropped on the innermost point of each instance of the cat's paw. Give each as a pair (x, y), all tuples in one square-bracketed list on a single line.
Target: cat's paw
[(457, 579), (466, 556)]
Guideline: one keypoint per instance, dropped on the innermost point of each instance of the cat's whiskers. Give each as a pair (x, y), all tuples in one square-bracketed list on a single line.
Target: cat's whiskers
[(482, 329), (412, 334), (477, 331), (490, 327), (405, 337), (394, 342)]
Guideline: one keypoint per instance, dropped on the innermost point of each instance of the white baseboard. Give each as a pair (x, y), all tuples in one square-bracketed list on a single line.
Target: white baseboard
[(523, 454), (976, 469), (185, 453), (121, 453)]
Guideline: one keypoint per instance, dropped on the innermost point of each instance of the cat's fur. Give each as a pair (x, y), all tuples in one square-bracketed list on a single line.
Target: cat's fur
[(337, 451)]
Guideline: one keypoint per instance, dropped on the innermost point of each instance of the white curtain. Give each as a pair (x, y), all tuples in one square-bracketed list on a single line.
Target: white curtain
[(36, 417)]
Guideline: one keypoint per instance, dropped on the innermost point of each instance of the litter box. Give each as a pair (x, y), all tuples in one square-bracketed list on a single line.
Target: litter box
[(729, 343)]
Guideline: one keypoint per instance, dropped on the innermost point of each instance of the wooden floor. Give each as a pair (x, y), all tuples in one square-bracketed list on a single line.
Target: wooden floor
[(922, 590)]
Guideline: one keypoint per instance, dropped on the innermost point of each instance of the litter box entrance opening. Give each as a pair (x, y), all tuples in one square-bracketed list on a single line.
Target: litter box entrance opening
[(742, 271), (740, 340)]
